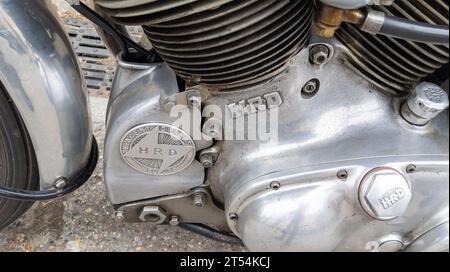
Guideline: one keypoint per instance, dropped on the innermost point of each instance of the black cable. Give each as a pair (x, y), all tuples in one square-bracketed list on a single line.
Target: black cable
[(122, 40), (211, 233), (72, 184)]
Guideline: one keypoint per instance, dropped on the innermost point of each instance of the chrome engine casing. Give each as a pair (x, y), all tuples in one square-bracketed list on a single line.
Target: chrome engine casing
[(348, 127)]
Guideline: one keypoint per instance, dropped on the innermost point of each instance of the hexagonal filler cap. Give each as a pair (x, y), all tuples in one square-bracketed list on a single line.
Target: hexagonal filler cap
[(384, 193), (425, 103)]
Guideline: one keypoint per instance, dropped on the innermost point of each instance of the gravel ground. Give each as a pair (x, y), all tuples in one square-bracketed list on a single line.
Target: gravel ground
[(85, 221)]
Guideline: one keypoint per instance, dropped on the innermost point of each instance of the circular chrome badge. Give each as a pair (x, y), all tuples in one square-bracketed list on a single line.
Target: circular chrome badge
[(157, 149)]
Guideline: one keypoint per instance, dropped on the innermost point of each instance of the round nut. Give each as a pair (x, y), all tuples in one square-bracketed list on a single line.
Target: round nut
[(384, 193)]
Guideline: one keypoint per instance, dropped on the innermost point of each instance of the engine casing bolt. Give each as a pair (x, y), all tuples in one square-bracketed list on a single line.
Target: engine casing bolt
[(194, 98), (120, 215), (207, 160), (60, 183), (342, 174), (319, 54), (411, 169), (174, 221), (199, 200)]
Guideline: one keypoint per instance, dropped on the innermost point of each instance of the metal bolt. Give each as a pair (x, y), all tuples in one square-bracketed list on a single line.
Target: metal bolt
[(275, 185), (213, 127), (60, 183), (194, 98), (174, 221), (153, 214), (207, 160), (342, 174), (411, 169), (319, 54), (199, 200), (425, 103), (120, 215), (384, 193), (233, 216), (310, 88)]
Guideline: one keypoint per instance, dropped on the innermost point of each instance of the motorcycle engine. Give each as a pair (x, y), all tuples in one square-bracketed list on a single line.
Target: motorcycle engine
[(359, 160)]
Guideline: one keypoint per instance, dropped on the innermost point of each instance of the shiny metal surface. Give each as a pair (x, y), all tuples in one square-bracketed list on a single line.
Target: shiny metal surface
[(434, 240), (137, 98), (40, 73), (384, 193), (425, 103), (183, 207), (353, 4), (346, 125)]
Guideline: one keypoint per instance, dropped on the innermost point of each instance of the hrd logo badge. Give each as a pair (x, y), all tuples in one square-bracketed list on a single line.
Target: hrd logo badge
[(157, 149)]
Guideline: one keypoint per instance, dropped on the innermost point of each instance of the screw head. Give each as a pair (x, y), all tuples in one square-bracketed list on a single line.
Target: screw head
[(275, 185), (310, 88), (60, 183), (342, 174), (233, 216), (384, 193), (411, 169)]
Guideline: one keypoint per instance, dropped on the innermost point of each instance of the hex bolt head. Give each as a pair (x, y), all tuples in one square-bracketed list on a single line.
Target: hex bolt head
[(120, 215), (384, 193), (174, 221), (207, 160), (199, 200), (319, 54), (153, 214), (194, 98)]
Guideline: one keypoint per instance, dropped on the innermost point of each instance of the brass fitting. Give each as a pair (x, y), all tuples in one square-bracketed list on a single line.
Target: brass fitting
[(329, 19)]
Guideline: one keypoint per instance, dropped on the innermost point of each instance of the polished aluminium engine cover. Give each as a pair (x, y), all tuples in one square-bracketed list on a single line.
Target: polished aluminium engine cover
[(327, 146), (311, 191), (134, 161)]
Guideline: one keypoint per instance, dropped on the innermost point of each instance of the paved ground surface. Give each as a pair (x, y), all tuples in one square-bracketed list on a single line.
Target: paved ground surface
[(85, 221)]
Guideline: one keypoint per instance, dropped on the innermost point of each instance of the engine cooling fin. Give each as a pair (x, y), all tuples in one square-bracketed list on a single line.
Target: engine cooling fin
[(396, 65), (222, 43)]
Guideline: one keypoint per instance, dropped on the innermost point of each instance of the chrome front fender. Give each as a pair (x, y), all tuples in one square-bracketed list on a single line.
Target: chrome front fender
[(40, 72)]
